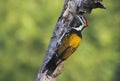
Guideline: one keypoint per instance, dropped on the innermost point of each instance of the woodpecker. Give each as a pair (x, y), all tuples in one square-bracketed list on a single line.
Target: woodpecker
[(69, 43)]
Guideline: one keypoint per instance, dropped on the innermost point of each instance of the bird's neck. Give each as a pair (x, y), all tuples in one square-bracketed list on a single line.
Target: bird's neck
[(76, 32)]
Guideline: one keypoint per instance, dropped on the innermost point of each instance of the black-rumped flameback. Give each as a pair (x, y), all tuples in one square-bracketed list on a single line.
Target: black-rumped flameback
[(68, 44)]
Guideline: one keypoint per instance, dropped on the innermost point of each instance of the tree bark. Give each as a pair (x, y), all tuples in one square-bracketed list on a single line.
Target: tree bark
[(70, 9)]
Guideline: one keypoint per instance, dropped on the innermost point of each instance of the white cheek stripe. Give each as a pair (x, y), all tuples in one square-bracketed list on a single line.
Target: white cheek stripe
[(81, 26)]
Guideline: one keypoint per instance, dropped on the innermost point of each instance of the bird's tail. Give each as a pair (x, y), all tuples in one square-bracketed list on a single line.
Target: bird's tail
[(51, 65)]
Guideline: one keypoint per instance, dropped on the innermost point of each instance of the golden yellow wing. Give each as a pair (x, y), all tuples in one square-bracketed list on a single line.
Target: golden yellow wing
[(68, 45)]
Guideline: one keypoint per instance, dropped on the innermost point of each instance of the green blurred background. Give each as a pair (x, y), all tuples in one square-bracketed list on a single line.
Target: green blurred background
[(25, 30)]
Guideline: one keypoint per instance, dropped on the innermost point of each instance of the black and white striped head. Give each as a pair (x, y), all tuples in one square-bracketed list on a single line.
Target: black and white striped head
[(83, 21)]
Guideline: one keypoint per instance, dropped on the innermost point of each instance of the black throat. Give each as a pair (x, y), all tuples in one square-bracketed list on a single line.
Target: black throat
[(74, 31)]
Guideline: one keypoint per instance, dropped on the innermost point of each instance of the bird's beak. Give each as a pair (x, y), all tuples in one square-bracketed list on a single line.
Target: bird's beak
[(100, 5)]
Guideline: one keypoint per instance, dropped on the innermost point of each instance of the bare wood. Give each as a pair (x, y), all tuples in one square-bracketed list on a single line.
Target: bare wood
[(71, 8)]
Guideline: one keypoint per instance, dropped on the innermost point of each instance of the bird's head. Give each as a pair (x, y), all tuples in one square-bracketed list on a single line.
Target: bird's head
[(83, 23)]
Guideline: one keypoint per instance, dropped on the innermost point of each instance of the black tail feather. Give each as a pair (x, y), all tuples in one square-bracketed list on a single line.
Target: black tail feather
[(51, 65)]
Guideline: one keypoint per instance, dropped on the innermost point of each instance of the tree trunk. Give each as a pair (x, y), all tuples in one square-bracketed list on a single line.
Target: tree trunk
[(70, 9)]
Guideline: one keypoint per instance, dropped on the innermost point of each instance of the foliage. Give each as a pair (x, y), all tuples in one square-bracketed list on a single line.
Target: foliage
[(25, 30)]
